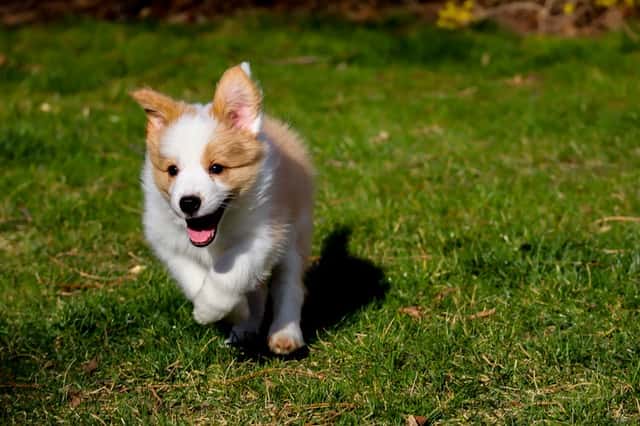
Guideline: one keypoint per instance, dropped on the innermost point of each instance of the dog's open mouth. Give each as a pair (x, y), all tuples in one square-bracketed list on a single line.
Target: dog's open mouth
[(202, 230)]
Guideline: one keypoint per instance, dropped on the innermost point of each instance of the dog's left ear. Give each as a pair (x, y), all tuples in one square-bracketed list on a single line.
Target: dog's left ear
[(238, 101)]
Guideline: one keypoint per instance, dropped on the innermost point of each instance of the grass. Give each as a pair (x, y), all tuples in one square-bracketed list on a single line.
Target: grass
[(463, 271)]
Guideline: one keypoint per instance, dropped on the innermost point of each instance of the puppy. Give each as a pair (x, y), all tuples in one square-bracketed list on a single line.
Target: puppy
[(228, 207)]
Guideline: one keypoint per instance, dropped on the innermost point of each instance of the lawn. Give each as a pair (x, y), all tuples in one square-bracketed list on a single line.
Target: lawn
[(476, 234)]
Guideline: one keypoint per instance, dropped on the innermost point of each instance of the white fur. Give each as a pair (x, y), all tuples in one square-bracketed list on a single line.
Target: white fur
[(226, 279), (256, 124), (185, 140), (246, 68)]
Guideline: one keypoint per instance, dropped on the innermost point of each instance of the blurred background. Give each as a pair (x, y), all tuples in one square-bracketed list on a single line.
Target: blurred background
[(566, 17)]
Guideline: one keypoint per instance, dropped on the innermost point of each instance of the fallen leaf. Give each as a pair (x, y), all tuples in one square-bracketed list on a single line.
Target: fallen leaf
[(137, 269), (432, 129), (381, 137), (90, 366), (416, 312), (444, 293), (3, 59), (485, 59), (76, 399), (483, 314), (469, 91), (519, 80), (417, 421)]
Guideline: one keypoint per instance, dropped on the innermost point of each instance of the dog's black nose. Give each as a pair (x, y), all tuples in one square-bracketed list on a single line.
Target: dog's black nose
[(190, 204)]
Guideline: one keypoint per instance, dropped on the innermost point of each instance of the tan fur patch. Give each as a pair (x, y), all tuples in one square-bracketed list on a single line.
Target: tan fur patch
[(292, 184), (161, 111), (160, 174), (239, 153)]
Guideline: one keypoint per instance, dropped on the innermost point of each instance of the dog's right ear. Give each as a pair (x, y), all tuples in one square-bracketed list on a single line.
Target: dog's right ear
[(161, 109)]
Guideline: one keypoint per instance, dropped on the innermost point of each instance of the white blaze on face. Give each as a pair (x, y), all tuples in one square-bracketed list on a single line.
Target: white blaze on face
[(185, 141)]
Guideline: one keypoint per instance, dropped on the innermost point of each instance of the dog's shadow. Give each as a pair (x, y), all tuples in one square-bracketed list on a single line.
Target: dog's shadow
[(338, 286)]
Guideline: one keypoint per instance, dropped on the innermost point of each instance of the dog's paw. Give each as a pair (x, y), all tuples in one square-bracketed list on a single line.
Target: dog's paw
[(241, 336), (206, 314), (286, 340)]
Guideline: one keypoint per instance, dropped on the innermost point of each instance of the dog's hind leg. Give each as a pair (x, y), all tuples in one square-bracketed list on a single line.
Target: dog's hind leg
[(287, 294)]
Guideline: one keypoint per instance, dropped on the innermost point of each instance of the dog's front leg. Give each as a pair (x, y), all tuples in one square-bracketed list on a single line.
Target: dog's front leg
[(230, 279), (214, 297), (214, 302), (245, 332)]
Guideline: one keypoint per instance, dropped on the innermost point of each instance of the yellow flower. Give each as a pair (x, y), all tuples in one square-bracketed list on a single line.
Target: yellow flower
[(606, 3), (569, 8), (454, 16)]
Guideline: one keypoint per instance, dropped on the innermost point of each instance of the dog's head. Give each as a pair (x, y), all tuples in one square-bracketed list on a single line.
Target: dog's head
[(203, 158)]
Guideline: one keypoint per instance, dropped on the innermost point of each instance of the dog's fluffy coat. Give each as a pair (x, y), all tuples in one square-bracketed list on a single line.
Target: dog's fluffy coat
[(261, 184)]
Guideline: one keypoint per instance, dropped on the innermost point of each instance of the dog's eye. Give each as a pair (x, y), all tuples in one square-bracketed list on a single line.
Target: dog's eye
[(215, 169), (172, 170)]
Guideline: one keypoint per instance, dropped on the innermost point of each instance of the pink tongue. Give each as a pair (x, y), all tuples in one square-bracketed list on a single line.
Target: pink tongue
[(200, 237)]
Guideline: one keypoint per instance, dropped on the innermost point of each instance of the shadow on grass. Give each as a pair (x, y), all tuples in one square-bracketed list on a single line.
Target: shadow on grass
[(338, 286)]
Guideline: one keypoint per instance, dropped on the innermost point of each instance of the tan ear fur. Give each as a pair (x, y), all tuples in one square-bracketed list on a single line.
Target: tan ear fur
[(161, 109), (237, 101)]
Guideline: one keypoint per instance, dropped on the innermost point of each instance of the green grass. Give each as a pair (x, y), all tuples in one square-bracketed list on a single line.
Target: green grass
[(444, 184)]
